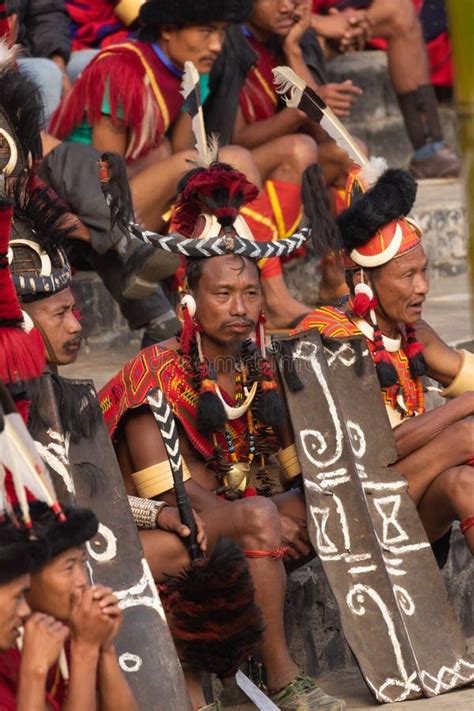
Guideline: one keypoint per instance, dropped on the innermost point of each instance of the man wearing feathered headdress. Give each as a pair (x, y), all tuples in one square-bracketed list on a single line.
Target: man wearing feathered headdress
[(220, 387), (387, 273), (134, 107)]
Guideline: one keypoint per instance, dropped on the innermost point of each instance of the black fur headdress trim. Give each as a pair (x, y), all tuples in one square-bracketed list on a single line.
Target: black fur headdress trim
[(80, 526), (42, 220), (156, 13), (79, 412), (19, 554), (20, 114), (391, 198)]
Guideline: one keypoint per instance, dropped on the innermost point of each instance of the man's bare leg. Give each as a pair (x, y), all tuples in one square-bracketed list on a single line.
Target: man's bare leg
[(154, 187), (255, 525), (450, 497), (286, 158), (448, 448), (397, 21)]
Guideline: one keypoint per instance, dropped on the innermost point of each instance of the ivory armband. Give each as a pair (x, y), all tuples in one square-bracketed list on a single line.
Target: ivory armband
[(157, 479), (464, 379), (145, 512), (288, 460)]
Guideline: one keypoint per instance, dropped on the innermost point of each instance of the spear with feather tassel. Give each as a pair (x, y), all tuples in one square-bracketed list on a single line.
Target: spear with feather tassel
[(211, 606), (191, 91)]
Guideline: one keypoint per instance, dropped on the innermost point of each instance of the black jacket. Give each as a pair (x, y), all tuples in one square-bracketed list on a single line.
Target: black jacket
[(43, 27), (229, 73)]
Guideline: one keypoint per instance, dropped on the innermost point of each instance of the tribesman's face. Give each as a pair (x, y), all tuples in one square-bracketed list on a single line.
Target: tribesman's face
[(14, 610), (228, 299), (402, 286), (54, 587), (56, 317), (200, 44), (274, 16)]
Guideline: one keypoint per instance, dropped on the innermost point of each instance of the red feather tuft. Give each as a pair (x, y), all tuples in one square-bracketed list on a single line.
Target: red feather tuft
[(22, 354), (219, 190), (361, 305)]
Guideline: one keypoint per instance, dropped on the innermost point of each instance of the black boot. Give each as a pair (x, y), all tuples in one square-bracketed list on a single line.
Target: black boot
[(162, 326), (144, 266), (422, 122)]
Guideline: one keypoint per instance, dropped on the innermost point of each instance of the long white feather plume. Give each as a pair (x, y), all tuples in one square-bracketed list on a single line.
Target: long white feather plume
[(7, 54), (297, 94), (19, 455), (190, 90)]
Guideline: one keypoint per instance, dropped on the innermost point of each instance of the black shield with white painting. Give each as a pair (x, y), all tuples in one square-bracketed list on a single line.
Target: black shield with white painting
[(364, 526), (85, 471)]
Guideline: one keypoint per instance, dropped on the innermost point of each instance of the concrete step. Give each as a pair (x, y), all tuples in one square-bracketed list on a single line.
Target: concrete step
[(376, 118)]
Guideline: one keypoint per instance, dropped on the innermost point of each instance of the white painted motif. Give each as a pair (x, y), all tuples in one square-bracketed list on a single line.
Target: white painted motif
[(320, 518), (109, 545), (56, 456), (358, 569), (314, 443), (130, 662), (404, 600), (345, 354), (357, 439), (405, 689), (388, 508), (448, 677), (142, 593), (356, 601)]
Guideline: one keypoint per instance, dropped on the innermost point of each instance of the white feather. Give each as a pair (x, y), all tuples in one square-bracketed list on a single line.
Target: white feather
[(292, 88), (372, 170), (7, 54), (190, 84), (20, 456)]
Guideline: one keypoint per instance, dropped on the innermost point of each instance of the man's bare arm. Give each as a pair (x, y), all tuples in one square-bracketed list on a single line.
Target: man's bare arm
[(415, 432), (146, 448), (443, 362), (253, 135)]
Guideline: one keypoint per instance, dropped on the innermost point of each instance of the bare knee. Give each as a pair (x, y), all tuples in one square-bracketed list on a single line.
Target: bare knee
[(259, 524), (241, 159), (301, 151), (461, 439), (458, 485), (400, 18)]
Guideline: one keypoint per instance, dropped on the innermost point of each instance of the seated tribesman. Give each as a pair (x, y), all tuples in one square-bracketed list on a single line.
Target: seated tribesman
[(277, 32), (42, 279), (388, 279), (84, 673), (282, 139), (221, 390), (350, 23), (37, 265), (132, 95), (124, 263)]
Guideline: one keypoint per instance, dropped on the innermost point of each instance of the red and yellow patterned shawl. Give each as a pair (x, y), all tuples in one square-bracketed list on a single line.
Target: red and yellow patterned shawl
[(258, 98), (333, 323), (142, 92), (158, 367)]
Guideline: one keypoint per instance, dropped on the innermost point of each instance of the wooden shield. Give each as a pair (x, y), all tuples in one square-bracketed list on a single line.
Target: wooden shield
[(86, 472), (365, 528)]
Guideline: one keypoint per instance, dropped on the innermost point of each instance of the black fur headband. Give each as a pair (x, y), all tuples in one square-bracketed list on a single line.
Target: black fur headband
[(156, 13), (392, 197)]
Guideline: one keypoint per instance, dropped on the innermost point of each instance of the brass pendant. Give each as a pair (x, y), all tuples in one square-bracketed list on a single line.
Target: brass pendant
[(237, 476)]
